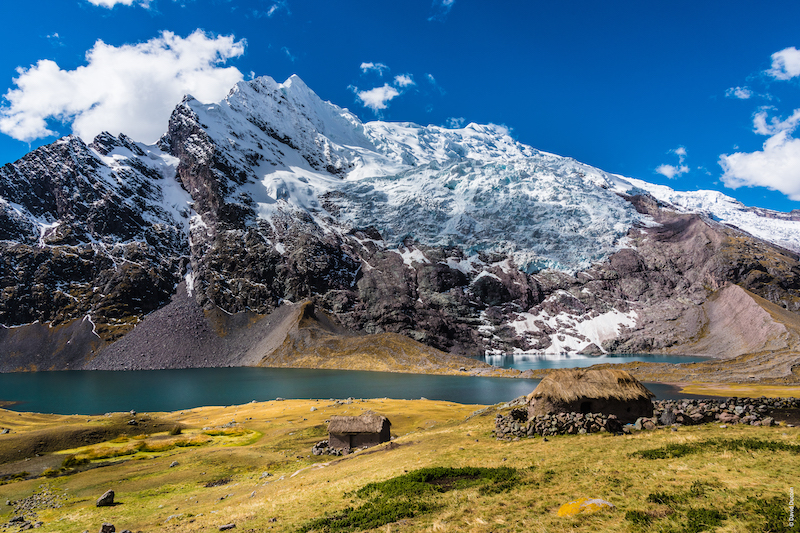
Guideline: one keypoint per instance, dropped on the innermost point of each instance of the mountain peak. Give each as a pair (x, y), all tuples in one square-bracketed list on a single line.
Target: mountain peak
[(465, 239), (295, 81)]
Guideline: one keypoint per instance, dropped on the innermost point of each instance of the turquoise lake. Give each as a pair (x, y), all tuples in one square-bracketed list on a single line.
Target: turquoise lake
[(96, 392)]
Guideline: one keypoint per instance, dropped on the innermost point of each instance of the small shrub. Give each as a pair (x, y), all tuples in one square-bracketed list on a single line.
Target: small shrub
[(665, 498), (441, 479), (71, 461), (698, 488), (548, 476), (9, 478), (774, 514), (673, 451), (703, 520), (176, 430), (198, 440), (155, 448), (371, 515), (667, 452), (638, 518), (218, 482), (410, 494), (104, 452)]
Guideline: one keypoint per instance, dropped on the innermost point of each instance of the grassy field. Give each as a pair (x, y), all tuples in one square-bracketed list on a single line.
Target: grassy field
[(742, 390), (251, 465)]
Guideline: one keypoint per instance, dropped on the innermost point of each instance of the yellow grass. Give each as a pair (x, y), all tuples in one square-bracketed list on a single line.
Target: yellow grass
[(742, 390), (156, 497)]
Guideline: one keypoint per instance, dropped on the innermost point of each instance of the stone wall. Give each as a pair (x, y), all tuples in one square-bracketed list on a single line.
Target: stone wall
[(753, 411)]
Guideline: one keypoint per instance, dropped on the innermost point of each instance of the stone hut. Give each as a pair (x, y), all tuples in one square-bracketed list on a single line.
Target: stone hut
[(579, 390), (349, 432)]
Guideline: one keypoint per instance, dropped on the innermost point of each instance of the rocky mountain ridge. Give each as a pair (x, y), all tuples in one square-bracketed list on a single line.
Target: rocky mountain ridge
[(465, 240)]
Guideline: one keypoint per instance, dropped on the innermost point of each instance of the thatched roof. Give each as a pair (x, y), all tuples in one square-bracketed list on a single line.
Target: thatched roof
[(571, 384), (368, 422)]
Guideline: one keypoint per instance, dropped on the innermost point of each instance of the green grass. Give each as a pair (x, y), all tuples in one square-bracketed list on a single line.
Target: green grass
[(370, 515), (411, 494), (702, 519), (773, 512), (677, 450), (685, 516), (10, 478)]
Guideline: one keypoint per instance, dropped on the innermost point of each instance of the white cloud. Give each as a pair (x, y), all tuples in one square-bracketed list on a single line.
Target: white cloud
[(742, 93), (378, 67), (441, 8), (774, 126), (776, 166), (111, 3), (278, 6), (785, 64), (377, 98), (455, 122), (674, 171), (131, 88), (291, 57), (403, 80), (55, 39), (433, 82)]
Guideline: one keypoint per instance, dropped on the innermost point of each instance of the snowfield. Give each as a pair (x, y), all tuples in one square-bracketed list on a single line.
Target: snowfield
[(475, 186)]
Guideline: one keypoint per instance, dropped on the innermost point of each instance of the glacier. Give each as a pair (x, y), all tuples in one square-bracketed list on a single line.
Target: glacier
[(474, 186)]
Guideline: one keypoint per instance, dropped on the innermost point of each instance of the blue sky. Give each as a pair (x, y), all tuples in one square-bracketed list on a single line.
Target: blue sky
[(661, 91)]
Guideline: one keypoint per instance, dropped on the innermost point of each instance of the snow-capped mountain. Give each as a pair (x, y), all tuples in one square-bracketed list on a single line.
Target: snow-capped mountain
[(463, 239), (778, 228)]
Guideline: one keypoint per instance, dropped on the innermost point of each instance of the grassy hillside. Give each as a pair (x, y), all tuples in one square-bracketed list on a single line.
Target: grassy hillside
[(251, 465)]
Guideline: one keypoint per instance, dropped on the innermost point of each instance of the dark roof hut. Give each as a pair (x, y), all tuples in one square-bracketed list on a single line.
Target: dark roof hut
[(350, 432), (579, 390)]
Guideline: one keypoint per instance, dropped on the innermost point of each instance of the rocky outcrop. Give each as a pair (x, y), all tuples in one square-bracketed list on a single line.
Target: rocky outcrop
[(88, 236), (183, 335)]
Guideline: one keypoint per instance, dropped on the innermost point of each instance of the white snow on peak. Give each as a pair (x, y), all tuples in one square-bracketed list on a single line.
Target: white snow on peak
[(769, 225), (475, 186)]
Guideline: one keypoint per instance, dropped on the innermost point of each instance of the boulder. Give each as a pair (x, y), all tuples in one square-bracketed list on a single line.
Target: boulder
[(584, 506), (728, 418), (106, 500), (107, 528)]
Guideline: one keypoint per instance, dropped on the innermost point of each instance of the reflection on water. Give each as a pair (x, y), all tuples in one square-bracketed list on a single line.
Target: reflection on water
[(545, 361)]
